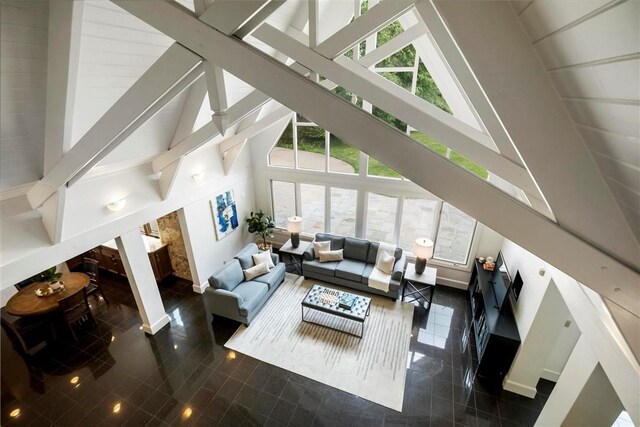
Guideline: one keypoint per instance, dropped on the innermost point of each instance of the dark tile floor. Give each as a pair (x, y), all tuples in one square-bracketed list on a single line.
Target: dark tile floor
[(183, 375)]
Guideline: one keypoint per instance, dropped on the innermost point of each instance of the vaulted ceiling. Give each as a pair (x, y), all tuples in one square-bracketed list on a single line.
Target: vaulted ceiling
[(547, 99)]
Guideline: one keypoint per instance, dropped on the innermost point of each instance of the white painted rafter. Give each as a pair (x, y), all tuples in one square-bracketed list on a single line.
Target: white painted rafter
[(392, 46), (418, 113), (161, 77), (65, 22), (190, 110), (547, 139), (481, 200)]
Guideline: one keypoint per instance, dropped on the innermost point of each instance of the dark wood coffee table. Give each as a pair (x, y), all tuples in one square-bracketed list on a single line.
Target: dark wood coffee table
[(357, 313)]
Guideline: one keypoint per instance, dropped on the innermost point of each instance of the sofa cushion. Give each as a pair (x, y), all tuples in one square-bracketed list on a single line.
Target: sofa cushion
[(326, 268), (255, 271), (327, 256), (245, 255), (227, 277), (275, 274), (350, 269), (263, 257), (356, 249), (319, 247), (373, 253), (385, 263), (252, 293), (367, 272), (337, 242)]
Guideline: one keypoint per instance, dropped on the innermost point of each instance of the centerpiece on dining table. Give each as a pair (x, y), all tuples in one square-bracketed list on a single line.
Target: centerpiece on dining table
[(51, 283)]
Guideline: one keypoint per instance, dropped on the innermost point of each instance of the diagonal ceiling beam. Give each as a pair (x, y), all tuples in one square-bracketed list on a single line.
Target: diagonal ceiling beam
[(391, 98), (65, 24), (462, 189), (168, 70), (190, 110), (392, 46), (516, 82)]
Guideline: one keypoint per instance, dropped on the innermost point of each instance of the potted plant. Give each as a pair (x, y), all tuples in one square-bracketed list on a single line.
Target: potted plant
[(262, 225), (51, 277)]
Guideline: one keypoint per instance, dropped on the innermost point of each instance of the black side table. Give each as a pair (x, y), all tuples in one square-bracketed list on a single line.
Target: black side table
[(294, 254), (417, 286)]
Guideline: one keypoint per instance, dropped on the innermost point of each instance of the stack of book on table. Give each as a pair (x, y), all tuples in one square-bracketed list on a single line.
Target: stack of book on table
[(346, 301)]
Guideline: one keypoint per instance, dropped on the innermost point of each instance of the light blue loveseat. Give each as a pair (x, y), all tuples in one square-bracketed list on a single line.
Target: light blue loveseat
[(230, 296)]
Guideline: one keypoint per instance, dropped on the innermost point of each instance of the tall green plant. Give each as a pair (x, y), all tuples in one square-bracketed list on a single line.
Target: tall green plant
[(262, 225)]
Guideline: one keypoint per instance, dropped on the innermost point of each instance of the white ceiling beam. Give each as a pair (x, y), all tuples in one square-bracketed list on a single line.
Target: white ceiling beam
[(168, 178), (463, 77), (206, 133), (254, 129), (227, 16), (514, 79), (391, 98), (169, 69), (343, 40), (65, 30), (365, 25), (440, 176), (392, 46), (190, 110), (179, 87), (256, 20)]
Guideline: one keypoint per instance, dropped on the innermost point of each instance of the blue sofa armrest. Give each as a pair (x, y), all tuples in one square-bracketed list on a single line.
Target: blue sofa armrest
[(275, 258), (308, 253), (224, 303), (398, 268)]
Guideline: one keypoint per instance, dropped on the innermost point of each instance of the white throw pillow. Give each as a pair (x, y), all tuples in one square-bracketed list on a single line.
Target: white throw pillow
[(255, 271), (263, 257), (385, 263), (320, 246), (326, 256)]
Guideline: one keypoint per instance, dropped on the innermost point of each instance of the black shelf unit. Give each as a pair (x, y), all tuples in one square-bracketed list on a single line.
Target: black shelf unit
[(496, 332)]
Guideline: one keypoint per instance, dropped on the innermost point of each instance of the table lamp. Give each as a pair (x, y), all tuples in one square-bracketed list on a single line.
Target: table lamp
[(423, 250), (294, 226)]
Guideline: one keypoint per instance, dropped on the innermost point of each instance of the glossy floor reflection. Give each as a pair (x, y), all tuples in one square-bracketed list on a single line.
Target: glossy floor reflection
[(183, 375)]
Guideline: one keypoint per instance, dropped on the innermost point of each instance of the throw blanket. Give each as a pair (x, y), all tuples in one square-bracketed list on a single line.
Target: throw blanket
[(378, 279)]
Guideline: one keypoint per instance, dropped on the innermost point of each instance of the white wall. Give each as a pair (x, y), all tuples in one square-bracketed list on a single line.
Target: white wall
[(26, 250), (209, 254), (23, 82)]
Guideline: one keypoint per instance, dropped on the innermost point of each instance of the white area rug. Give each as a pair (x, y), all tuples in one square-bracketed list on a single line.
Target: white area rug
[(373, 367)]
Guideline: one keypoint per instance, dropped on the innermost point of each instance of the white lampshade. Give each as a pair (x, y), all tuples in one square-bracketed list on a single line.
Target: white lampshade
[(294, 224), (423, 248)]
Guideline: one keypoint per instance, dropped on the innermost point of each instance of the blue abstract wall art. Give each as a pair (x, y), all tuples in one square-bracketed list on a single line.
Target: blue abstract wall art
[(225, 214)]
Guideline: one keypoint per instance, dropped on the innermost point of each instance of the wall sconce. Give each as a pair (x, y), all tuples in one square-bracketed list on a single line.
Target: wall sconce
[(423, 250), (117, 205), (197, 176)]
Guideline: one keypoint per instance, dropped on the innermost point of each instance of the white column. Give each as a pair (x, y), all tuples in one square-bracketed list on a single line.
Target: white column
[(199, 278), (574, 377), (538, 344), (142, 280)]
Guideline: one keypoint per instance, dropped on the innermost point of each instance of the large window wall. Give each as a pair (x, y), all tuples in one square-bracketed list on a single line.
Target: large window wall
[(391, 218)]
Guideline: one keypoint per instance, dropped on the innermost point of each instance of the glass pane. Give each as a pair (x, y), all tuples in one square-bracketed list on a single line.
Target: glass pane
[(417, 221), (402, 79), (454, 235), (429, 142), (284, 201), (404, 58), (343, 211), (311, 154), (381, 217), (312, 199), (282, 153), (343, 157), (426, 89), (469, 165), (376, 168)]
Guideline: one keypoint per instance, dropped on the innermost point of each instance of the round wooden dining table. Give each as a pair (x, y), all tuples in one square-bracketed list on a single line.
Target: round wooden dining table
[(27, 303)]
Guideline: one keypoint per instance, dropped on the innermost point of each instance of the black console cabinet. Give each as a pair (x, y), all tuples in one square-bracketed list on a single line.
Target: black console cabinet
[(496, 332)]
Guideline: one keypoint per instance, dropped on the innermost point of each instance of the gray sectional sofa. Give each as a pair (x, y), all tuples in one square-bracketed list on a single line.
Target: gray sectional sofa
[(354, 270), (232, 297)]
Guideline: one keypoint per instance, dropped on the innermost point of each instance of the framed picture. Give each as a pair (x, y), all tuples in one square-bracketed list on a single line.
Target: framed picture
[(225, 214)]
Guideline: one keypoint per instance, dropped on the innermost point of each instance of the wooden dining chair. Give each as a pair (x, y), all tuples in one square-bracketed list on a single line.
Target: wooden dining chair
[(91, 269), (75, 311), (26, 335)]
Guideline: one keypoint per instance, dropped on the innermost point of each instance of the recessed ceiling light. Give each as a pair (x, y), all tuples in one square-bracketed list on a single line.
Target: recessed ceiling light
[(117, 205)]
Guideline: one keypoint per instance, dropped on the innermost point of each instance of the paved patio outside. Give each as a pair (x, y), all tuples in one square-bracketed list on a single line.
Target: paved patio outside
[(455, 231)]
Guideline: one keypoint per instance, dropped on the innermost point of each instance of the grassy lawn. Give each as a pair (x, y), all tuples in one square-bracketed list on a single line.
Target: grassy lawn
[(351, 155)]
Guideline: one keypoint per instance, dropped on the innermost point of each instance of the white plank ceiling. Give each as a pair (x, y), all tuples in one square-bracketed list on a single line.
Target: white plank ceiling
[(591, 49)]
